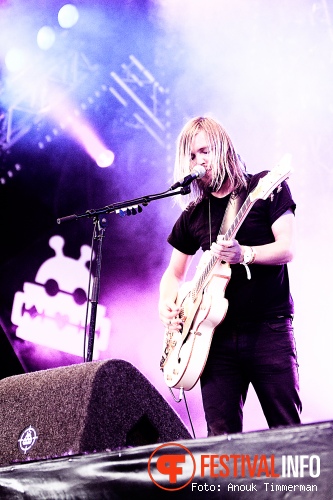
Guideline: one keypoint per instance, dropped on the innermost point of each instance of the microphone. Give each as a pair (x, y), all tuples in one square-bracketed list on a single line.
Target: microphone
[(198, 171)]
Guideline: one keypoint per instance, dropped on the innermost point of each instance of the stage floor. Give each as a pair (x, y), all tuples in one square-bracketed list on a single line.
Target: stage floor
[(285, 463)]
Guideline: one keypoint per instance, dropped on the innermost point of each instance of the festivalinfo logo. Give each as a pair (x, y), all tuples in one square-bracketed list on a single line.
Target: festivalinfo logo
[(173, 467)]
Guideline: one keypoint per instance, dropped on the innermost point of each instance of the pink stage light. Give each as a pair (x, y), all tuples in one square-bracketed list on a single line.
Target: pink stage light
[(105, 158), (79, 129), (90, 141)]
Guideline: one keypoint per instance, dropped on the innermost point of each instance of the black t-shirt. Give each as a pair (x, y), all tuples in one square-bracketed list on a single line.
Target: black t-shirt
[(267, 294)]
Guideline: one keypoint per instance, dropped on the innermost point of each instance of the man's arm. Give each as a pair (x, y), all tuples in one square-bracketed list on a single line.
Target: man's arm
[(281, 250), (278, 252)]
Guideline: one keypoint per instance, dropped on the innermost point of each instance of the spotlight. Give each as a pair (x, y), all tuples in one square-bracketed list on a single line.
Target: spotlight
[(68, 16), (15, 60), (105, 158), (45, 38)]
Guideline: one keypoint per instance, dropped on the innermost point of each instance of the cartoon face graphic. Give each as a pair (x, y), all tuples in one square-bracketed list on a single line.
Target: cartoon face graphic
[(52, 311)]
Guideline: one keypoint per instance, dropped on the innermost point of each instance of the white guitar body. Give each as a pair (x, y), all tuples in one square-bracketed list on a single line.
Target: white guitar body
[(188, 349)]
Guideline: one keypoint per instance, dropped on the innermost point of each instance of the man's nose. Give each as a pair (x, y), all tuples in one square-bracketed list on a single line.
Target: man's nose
[(200, 159)]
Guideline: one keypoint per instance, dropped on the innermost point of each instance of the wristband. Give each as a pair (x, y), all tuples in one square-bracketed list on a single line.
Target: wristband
[(249, 255), (248, 258)]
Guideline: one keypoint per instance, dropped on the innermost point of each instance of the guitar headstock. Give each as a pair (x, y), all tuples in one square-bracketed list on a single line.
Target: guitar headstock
[(272, 179)]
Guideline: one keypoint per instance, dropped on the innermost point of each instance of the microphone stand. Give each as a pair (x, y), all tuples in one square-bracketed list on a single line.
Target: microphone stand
[(130, 207)]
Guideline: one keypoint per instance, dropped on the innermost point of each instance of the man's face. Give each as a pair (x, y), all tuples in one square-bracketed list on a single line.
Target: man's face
[(202, 155)]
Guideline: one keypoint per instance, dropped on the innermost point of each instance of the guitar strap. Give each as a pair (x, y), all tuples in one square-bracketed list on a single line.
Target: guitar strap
[(233, 207)]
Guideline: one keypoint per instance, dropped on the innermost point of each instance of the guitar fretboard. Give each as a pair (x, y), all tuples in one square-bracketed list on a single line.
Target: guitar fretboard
[(244, 210)]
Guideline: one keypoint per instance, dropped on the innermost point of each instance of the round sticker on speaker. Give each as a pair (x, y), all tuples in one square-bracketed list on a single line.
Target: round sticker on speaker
[(27, 439)]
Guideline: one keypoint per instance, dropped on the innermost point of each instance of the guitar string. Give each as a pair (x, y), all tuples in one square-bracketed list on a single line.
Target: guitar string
[(211, 263), (230, 232)]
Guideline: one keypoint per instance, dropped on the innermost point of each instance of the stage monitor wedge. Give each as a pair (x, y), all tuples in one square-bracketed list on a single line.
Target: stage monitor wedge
[(83, 408)]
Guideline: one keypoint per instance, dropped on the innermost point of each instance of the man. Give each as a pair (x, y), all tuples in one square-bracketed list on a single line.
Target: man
[(254, 343)]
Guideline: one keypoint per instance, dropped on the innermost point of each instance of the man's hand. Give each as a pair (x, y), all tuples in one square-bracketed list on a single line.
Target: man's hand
[(169, 315), (227, 250)]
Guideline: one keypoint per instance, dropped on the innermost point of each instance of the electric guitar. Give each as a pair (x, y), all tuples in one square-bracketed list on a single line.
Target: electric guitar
[(202, 303)]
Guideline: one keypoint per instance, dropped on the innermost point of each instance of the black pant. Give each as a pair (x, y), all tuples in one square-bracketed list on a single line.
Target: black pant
[(263, 354)]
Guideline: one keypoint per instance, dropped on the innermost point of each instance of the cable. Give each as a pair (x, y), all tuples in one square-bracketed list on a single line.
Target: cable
[(189, 417), (182, 396)]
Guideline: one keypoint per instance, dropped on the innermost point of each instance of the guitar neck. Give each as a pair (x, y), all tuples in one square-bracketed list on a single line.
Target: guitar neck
[(239, 219)]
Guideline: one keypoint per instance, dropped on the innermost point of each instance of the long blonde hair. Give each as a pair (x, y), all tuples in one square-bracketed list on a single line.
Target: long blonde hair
[(225, 162)]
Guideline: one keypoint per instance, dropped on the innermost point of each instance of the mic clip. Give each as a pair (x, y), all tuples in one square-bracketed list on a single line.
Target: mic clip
[(185, 190)]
